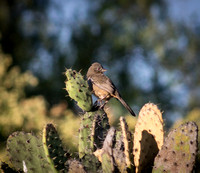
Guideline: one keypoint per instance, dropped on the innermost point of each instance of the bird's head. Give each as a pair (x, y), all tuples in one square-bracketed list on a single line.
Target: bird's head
[(95, 68)]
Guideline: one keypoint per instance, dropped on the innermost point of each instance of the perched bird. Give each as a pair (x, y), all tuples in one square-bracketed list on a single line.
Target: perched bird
[(103, 87)]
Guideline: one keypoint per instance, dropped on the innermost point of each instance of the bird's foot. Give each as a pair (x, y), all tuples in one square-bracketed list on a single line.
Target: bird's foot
[(103, 105), (96, 106)]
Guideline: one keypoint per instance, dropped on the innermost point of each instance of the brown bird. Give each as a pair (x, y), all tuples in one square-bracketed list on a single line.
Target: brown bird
[(103, 87)]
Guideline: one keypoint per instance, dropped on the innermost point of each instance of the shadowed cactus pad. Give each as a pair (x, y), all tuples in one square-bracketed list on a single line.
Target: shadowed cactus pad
[(52, 144), (178, 151), (127, 140), (78, 89), (148, 137), (105, 155), (122, 150), (26, 153)]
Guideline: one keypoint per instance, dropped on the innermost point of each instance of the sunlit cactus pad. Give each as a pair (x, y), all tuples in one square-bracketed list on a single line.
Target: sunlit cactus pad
[(78, 89), (148, 137)]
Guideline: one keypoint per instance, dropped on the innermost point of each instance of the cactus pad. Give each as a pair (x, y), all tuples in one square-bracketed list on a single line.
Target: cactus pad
[(178, 151), (52, 144), (26, 153), (148, 137), (105, 155), (122, 150), (78, 89), (127, 141), (93, 129)]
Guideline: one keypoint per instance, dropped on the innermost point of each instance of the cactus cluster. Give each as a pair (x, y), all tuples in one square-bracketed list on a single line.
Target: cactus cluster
[(103, 148), (28, 153)]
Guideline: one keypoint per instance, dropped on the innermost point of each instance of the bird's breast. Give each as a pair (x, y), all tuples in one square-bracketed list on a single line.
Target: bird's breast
[(100, 93)]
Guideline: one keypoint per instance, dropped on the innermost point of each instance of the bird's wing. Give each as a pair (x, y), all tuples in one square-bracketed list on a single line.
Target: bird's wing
[(104, 83)]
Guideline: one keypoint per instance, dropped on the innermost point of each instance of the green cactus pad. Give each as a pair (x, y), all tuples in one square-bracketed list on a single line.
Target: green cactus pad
[(78, 89), (26, 153), (107, 163), (178, 151), (93, 129), (52, 144)]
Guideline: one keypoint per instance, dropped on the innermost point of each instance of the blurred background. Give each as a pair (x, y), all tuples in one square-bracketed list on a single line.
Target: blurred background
[(151, 49)]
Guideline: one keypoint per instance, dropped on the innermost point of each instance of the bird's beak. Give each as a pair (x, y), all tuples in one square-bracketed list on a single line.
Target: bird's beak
[(103, 70)]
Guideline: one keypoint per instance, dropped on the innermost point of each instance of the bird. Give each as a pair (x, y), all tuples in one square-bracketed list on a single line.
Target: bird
[(102, 86)]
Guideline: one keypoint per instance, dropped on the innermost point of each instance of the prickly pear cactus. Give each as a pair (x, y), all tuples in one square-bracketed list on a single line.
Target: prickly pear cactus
[(52, 144), (193, 115), (178, 151), (93, 129), (127, 140), (105, 155), (122, 150), (116, 154), (26, 153), (78, 89), (148, 137)]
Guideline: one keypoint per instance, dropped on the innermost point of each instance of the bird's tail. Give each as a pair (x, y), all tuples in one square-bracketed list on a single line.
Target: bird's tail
[(125, 104)]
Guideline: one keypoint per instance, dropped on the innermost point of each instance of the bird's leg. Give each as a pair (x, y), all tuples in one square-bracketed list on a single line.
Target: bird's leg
[(97, 103), (95, 106), (106, 101), (102, 106)]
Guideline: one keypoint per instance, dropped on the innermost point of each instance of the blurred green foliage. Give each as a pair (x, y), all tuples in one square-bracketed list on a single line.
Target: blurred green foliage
[(17, 112), (13, 109)]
